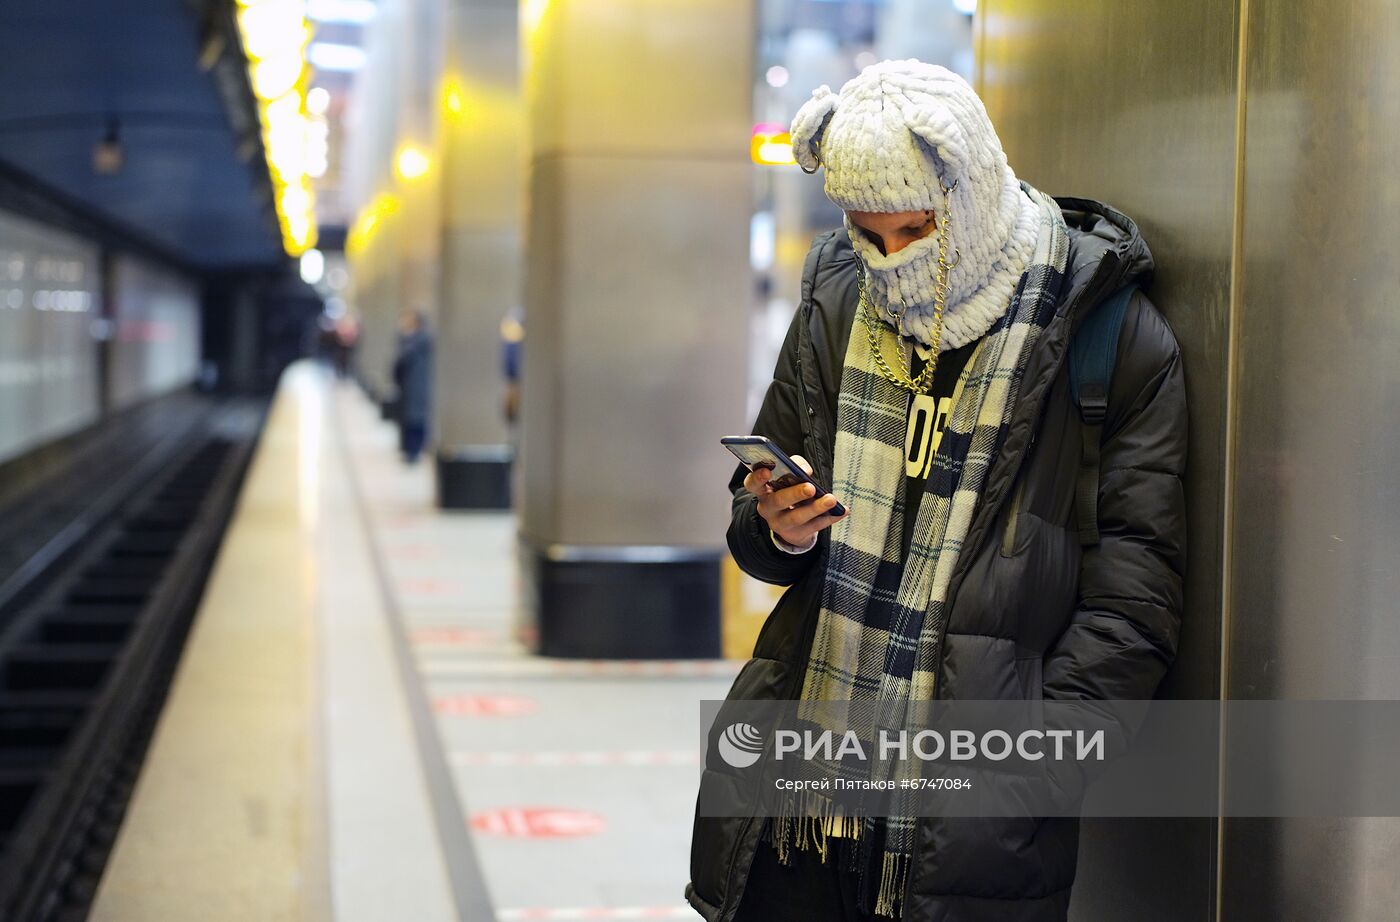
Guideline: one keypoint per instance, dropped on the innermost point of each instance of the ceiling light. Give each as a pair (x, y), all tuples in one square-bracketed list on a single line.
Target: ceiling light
[(411, 163), (275, 77), (318, 100), (274, 34), (272, 28), (452, 95), (313, 266), (353, 12), (296, 200), (282, 110), (328, 57), (107, 155), (532, 14)]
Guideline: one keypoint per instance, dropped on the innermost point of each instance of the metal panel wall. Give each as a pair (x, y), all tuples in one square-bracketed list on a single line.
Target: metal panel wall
[(483, 195), (395, 264), (1316, 511), (1269, 196), (1134, 104), (155, 344), (638, 288), (49, 294)]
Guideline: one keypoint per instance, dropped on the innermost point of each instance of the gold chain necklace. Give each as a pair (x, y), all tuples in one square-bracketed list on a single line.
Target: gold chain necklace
[(874, 327)]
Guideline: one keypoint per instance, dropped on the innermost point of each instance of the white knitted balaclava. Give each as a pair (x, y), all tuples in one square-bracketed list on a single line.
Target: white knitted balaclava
[(890, 141)]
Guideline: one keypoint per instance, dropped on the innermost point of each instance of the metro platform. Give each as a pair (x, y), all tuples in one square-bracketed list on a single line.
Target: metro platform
[(355, 731)]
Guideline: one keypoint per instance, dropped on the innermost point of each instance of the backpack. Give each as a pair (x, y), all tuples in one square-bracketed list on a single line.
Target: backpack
[(1091, 358)]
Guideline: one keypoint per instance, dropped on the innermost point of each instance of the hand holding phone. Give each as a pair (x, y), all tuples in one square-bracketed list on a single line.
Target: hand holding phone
[(794, 505)]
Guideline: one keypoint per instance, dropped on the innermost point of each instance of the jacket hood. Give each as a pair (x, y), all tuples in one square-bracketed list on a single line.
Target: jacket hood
[(1107, 251)]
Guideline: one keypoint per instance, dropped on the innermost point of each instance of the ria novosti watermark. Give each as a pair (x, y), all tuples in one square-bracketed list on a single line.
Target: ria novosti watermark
[(1054, 758), (742, 745), (934, 745)]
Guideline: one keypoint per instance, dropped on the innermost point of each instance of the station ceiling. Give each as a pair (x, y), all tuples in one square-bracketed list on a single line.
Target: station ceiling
[(71, 69)]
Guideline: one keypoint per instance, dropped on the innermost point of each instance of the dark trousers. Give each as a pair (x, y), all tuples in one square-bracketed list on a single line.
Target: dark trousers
[(807, 890), (411, 438)]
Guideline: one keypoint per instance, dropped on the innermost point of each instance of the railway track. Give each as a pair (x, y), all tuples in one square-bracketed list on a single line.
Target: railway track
[(92, 620)]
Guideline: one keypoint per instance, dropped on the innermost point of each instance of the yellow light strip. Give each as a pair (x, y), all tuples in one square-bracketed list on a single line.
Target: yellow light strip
[(274, 35), (771, 148), (369, 218), (412, 161)]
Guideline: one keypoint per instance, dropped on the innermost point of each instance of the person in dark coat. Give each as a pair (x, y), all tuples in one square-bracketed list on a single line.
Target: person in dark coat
[(939, 319), (413, 374)]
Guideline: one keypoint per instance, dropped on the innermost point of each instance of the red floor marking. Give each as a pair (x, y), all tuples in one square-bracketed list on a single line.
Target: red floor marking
[(485, 705), (429, 586), (538, 822), (455, 636)]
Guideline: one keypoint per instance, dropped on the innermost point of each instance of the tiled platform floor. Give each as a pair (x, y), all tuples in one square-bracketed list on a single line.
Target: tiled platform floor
[(576, 779), (354, 735)]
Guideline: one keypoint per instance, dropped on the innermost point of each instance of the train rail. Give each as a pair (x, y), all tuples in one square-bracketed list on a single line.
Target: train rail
[(93, 615)]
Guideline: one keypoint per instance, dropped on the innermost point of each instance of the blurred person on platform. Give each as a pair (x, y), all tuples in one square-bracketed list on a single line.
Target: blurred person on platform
[(512, 355), (347, 336), (413, 374), (998, 543)]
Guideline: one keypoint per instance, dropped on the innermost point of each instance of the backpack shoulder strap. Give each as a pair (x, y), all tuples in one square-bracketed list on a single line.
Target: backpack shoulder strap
[(1091, 358)]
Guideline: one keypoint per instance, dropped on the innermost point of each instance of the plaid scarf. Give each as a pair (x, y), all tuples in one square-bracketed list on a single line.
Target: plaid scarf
[(879, 632)]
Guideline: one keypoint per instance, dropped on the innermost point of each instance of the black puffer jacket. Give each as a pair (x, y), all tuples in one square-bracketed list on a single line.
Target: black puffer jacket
[(1031, 614)]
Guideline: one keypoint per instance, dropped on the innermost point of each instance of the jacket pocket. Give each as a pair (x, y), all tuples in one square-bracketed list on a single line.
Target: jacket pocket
[(729, 794), (715, 838), (1013, 519)]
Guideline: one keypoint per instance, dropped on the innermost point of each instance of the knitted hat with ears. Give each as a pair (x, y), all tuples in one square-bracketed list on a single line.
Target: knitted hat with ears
[(891, 140)]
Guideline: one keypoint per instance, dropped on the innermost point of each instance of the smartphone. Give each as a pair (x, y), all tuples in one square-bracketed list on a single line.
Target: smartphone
[(757, 451)]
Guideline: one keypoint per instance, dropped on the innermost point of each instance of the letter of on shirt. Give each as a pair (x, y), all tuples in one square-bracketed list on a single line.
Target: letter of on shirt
[(928, 417)]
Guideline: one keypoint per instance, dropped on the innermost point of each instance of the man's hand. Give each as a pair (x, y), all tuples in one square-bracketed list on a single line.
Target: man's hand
[(792, 512)]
